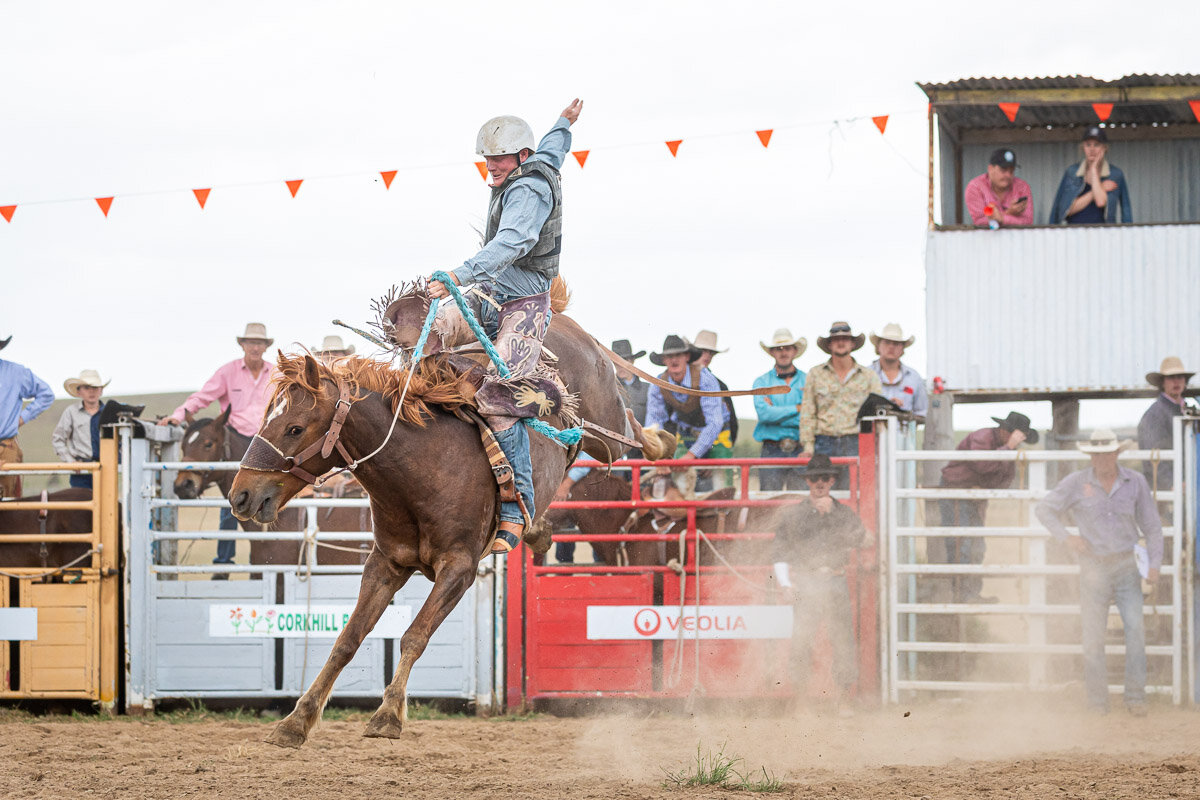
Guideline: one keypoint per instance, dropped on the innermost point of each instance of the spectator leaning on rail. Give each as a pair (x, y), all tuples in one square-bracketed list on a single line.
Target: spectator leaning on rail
[(244, 387), (1008, 434), (902, 384), (1155, 430), (1091, 190), (518, 261), (18, 385), (1110, 504), (833, 393), (778, 425), (998, 198), (76, 437), (701, 424), (812, 551)]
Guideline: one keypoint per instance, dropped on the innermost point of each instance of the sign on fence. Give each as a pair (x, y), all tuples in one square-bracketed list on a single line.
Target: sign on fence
[(298, 621), (707, 622)]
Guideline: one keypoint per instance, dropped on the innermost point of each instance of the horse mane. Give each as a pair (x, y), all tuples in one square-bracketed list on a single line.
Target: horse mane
[(560, 295), (435, 382)]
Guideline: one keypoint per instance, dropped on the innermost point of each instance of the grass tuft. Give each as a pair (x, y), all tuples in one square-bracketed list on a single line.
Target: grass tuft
[(721, 770)]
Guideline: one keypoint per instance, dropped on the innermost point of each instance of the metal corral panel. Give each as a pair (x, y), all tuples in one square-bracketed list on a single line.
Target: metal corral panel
[(1060, 309)]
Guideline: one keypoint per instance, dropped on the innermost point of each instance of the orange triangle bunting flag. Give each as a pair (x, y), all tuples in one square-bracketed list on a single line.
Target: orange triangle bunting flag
[(201, 196), (7, 212), (1103, 110), (1195, 104), (105, 204), (580, 156), (673, 146), (482, 167), (880, 122), (765, 136), (387, 178), (1010, 110), (294, 186)]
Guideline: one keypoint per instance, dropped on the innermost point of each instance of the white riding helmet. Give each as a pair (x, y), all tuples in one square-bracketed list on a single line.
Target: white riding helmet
[(503, 136)]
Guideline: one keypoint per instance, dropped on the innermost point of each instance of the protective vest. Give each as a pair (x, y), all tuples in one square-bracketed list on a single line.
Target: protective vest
[(688, 411), (543, 258)]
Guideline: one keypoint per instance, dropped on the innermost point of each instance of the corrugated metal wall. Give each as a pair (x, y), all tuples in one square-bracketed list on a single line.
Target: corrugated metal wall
[(1163, 176), (1061, 309)]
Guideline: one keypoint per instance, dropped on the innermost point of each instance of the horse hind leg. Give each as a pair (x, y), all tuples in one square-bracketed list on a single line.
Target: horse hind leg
[(450, 584), (380, 583)]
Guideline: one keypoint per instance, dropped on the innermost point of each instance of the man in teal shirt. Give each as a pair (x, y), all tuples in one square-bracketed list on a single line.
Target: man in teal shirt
[(778, 425)]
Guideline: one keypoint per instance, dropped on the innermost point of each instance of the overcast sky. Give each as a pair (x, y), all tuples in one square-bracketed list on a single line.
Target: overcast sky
[(146, 101)]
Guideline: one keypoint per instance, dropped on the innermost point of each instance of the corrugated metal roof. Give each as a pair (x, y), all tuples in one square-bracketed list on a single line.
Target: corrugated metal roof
[(1061, 82)]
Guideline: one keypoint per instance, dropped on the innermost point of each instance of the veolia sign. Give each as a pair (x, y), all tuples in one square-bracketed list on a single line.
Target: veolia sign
[(298, 621), (705, 622)]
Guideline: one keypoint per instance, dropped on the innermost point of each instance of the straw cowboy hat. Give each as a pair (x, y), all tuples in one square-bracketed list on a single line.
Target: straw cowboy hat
[(1103, 440), (841, 329), (820, 466), (1171, 365), (782, 337), (624, 349), (255, 330), (675, 344), (4, 342), (332, 345), (892, 332), (1016, 421), (707, 340), (89, 377)]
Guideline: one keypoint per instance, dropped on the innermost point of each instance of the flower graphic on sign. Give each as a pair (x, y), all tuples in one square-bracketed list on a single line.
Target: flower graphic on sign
[(647, 622), (270, 617), (235, 617), (253, 620)]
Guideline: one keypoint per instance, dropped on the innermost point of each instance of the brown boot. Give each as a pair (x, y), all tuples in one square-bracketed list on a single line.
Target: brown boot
[(508, 536)]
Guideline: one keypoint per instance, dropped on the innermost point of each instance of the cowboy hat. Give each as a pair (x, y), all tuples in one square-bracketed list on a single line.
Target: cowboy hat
[(674, 344), (4, 342), (1103, 440), (1171, 365), (707, 340), (89, 377), (820, 465), (1016, 421), (782, 337), (841, 329), (333, 345), (255, 330), (624, 349), (892, 332)]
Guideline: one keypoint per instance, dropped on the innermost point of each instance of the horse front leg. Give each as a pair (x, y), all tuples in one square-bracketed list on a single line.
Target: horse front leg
[(450, 584), (380, 582)]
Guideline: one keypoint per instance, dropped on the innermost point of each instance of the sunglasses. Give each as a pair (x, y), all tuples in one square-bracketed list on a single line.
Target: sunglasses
[(839, 329), (821, 479)]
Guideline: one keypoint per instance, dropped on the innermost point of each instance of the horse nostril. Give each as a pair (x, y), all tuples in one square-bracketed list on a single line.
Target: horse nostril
[(240, 501)]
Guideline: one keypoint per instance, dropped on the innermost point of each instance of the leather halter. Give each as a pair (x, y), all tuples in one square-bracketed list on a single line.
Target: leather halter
[(263, 456)]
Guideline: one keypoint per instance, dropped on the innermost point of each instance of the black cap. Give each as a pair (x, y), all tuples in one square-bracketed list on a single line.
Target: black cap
[(1095, 132), (1003, 158)]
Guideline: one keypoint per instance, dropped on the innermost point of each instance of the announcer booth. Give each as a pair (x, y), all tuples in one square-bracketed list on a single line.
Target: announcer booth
[(709, 622)]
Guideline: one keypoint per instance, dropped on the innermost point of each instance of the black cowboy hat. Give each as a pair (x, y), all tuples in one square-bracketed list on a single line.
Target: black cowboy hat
[(4, 342), (841, 329), (674, 344), (624, 349), (820, 465), (1016, 421)]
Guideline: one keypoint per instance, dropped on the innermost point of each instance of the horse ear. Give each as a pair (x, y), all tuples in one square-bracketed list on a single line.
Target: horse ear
[(224, 418), (312, 375), (189, 417)]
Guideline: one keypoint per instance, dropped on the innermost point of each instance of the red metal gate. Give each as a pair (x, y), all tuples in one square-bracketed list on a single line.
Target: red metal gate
[(683, 620)]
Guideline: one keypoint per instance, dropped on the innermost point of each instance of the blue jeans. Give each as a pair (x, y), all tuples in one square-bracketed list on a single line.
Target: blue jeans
[(960, 549), (80, 481), (1103, 581), (226, 548), (834, 446), (514, 442), (776, 479)]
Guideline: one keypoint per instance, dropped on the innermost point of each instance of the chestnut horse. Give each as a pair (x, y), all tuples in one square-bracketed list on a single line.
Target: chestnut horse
[(45, 554)]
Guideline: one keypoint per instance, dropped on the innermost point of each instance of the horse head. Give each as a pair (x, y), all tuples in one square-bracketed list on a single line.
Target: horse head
[(204, 440)]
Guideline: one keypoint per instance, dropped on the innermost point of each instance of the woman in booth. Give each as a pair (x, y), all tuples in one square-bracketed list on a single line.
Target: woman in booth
[(1091, 190)]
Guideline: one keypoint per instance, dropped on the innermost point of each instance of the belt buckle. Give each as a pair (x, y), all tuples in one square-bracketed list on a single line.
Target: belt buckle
[(788, 445)]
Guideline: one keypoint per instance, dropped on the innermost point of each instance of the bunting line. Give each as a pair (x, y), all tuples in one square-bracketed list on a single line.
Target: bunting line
[(673, 146), (105, 204), (580, 156), (388, 177), (7, 212), (201, 196), (294, 186), (765, 136)]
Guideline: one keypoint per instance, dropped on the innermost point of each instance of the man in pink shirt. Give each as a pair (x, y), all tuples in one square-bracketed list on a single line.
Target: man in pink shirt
[(999, 199), (244, 387)]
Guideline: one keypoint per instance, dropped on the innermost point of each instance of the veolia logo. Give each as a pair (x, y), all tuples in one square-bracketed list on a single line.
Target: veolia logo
[(647, 622)]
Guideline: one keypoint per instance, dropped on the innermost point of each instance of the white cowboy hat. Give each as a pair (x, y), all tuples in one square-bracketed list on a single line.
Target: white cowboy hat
[(892, 332), (782, 337), (333, 345), (89, 377), (255, 330), (1103, 440), (1171, 365), (707, 340)]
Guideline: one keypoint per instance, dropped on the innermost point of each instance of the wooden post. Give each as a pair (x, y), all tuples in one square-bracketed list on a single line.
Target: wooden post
[(939, 435), (1064, 429), (104, 489)]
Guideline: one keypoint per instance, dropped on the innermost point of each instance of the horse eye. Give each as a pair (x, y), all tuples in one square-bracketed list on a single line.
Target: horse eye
[(295, 430), (208, 445)]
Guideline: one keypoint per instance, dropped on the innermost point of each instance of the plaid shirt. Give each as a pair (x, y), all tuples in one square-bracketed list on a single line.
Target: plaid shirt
[(830, 406)]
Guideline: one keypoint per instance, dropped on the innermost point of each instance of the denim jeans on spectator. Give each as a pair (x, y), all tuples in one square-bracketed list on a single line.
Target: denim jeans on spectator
[(564, 552), (1103, 581), (80, 481), (835, 446), (226, 548), (777, 479), (960, 549)]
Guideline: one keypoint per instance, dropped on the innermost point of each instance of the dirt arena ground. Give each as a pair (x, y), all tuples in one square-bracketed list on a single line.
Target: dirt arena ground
[(937, 751)]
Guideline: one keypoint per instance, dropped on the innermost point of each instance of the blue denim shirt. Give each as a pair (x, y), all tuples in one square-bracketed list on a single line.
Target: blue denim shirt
[(18, 384), (1072, 184)]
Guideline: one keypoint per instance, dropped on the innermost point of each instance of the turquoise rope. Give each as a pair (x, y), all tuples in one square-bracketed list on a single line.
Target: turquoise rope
[(566, 437)]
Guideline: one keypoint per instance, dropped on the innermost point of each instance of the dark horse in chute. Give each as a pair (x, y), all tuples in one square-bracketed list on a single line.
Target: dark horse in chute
[(433, 494)]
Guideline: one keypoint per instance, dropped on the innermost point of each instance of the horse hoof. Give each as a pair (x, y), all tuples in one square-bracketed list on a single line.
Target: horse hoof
[(539, 538), (285, 735), (384, 725)]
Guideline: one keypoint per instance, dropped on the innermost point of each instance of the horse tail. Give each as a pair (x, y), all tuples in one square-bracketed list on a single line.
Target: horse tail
[(560, 295)]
